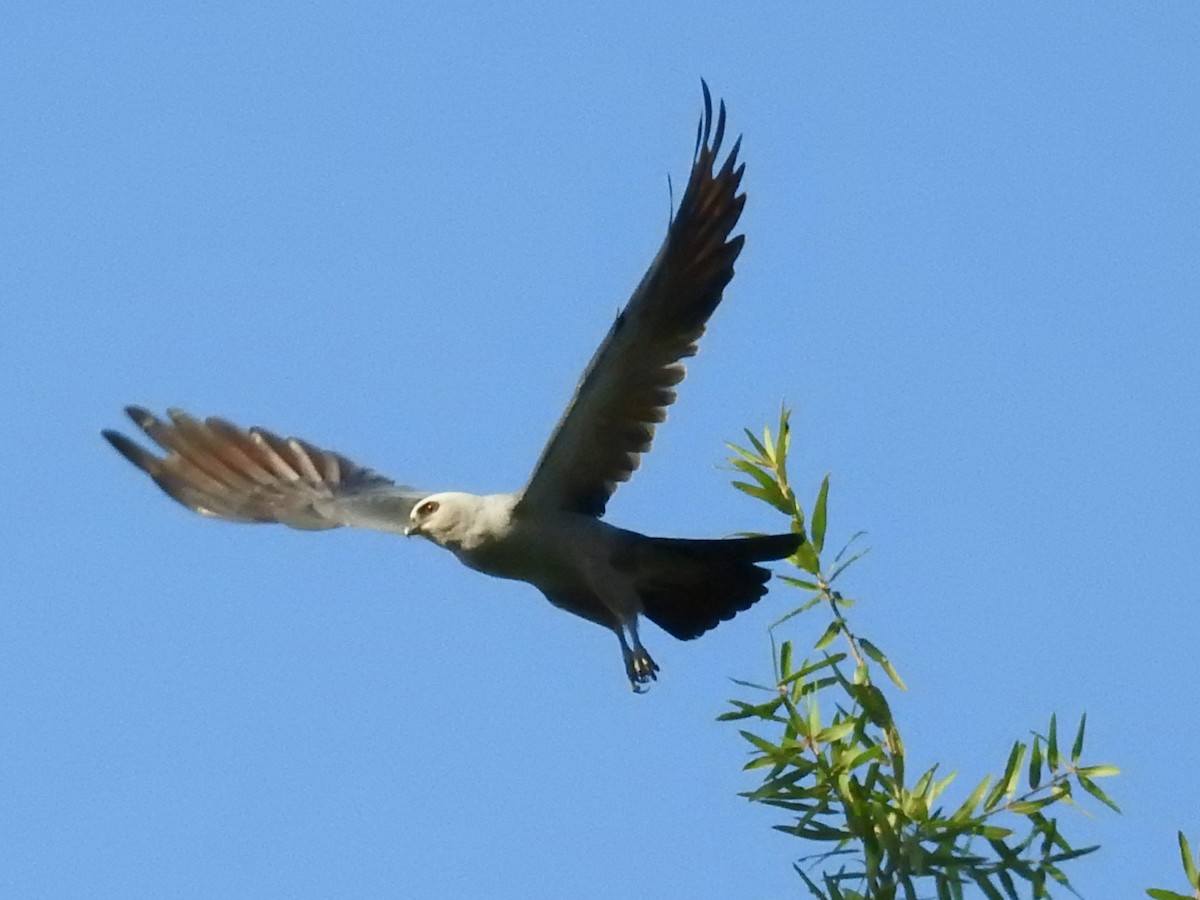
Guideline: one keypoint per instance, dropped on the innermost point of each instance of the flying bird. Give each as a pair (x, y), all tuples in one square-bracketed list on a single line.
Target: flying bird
[(550, 533)]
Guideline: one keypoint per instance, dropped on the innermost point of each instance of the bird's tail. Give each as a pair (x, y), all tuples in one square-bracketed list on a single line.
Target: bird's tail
[(688, 587)]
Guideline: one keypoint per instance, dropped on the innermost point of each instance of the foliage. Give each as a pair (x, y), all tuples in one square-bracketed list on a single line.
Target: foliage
[(832, 755), (1191, 870)]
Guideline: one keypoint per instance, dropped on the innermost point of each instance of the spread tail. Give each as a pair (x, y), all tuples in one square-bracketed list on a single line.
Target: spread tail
[(688, 587)]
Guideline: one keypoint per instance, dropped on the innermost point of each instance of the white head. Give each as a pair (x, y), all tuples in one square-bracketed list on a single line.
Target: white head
[(446, 519)]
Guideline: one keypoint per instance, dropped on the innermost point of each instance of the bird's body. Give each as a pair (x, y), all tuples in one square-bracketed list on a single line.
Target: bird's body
[(549, 534)]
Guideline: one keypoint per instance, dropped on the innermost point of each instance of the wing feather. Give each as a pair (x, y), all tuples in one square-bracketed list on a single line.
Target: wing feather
[(629, 383), (218, 469)]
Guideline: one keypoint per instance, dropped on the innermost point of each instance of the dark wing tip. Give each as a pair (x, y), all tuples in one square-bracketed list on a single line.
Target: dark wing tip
[(710, 133), (720, 135), (131, 451), (141, 417), (704, 126)]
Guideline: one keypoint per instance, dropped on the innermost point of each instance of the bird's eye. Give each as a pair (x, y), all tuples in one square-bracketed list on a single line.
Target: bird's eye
[(428, 508)]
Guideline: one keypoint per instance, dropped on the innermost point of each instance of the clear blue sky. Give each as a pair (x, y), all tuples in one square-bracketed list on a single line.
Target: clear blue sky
[(971, 267)]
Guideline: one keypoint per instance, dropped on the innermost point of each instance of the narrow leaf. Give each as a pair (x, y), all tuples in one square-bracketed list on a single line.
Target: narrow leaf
[(854, 537), (884, 663), (755, 443), (1010, 770), (1189, 861), (806, 558), (819, 515), (985, 884), (768, 444), (967, 810), (1025, 807), (1077, 747), (799, 582), (836, 732), (1094, 789), (1035, 764), (1052, 758), (828, 635), (1098, 771), (843, 566)]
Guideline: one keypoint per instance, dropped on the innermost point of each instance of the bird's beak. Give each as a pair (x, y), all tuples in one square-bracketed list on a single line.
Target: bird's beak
[(412, 529)]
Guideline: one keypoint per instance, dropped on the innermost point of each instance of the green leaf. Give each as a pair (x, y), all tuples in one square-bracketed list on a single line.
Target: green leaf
[(936, 789), (1035, 764), (842, 567), (985, 884), (1025, 807), (808, 669), (924, 782), (1010, 770), (884, 663), (763, 745), (764, 711), (768, 444), (743, 453), (846, 546), (994, 832), (836, 732), (806, 558), (1009, 887), (802, 608), (785, 660), (1077, 747), (871, 753), (819, 515), (1094, 789), (967, 810), (828, 635), (766, 480), (1189, 862), (1052, 758), (784, 441), (756, 444), (771, 495), (799, 582), (1068, 855), (753, 490), (751, 684), (873, 703), (1098, 771), (1160, 894), (1007, 782), (813, 887)]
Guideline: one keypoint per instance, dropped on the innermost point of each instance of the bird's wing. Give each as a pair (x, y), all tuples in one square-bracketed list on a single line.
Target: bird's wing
[(630, 382), (223, 471)]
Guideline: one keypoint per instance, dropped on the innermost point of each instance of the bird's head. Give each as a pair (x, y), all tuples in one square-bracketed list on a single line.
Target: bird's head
[(443, 518)]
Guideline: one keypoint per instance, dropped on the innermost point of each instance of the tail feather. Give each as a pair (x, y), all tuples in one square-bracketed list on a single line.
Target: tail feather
[(688, 587)]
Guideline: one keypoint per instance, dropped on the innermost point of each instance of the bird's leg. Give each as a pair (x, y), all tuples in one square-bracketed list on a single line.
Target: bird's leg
[(639, 666)]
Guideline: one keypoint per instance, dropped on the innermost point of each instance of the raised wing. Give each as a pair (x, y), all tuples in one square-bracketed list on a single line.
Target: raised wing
[(220, 470), (630, 382)]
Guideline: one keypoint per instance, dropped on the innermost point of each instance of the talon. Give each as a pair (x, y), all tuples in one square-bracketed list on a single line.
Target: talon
[(641, 669)]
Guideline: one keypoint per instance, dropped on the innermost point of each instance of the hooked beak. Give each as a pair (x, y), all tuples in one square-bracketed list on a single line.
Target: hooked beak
[(411, 529)]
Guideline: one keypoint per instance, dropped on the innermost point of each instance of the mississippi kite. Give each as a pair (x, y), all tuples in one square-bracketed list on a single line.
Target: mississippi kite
[(549, 534)]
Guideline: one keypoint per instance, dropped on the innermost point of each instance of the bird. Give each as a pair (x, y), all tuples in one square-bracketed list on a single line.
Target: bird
[(550, 533)]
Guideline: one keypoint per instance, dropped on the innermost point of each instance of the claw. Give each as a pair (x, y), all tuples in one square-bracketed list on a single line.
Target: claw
[(639, 666), (641, 670)]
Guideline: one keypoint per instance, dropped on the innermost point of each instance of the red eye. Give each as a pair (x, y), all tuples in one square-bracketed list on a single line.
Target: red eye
[(428, 508)]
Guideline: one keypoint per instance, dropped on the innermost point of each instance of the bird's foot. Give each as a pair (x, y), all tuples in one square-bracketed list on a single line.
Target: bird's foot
[(641, 670)]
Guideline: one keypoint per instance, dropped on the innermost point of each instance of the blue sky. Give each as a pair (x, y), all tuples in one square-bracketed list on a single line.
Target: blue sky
[(971, 268)]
